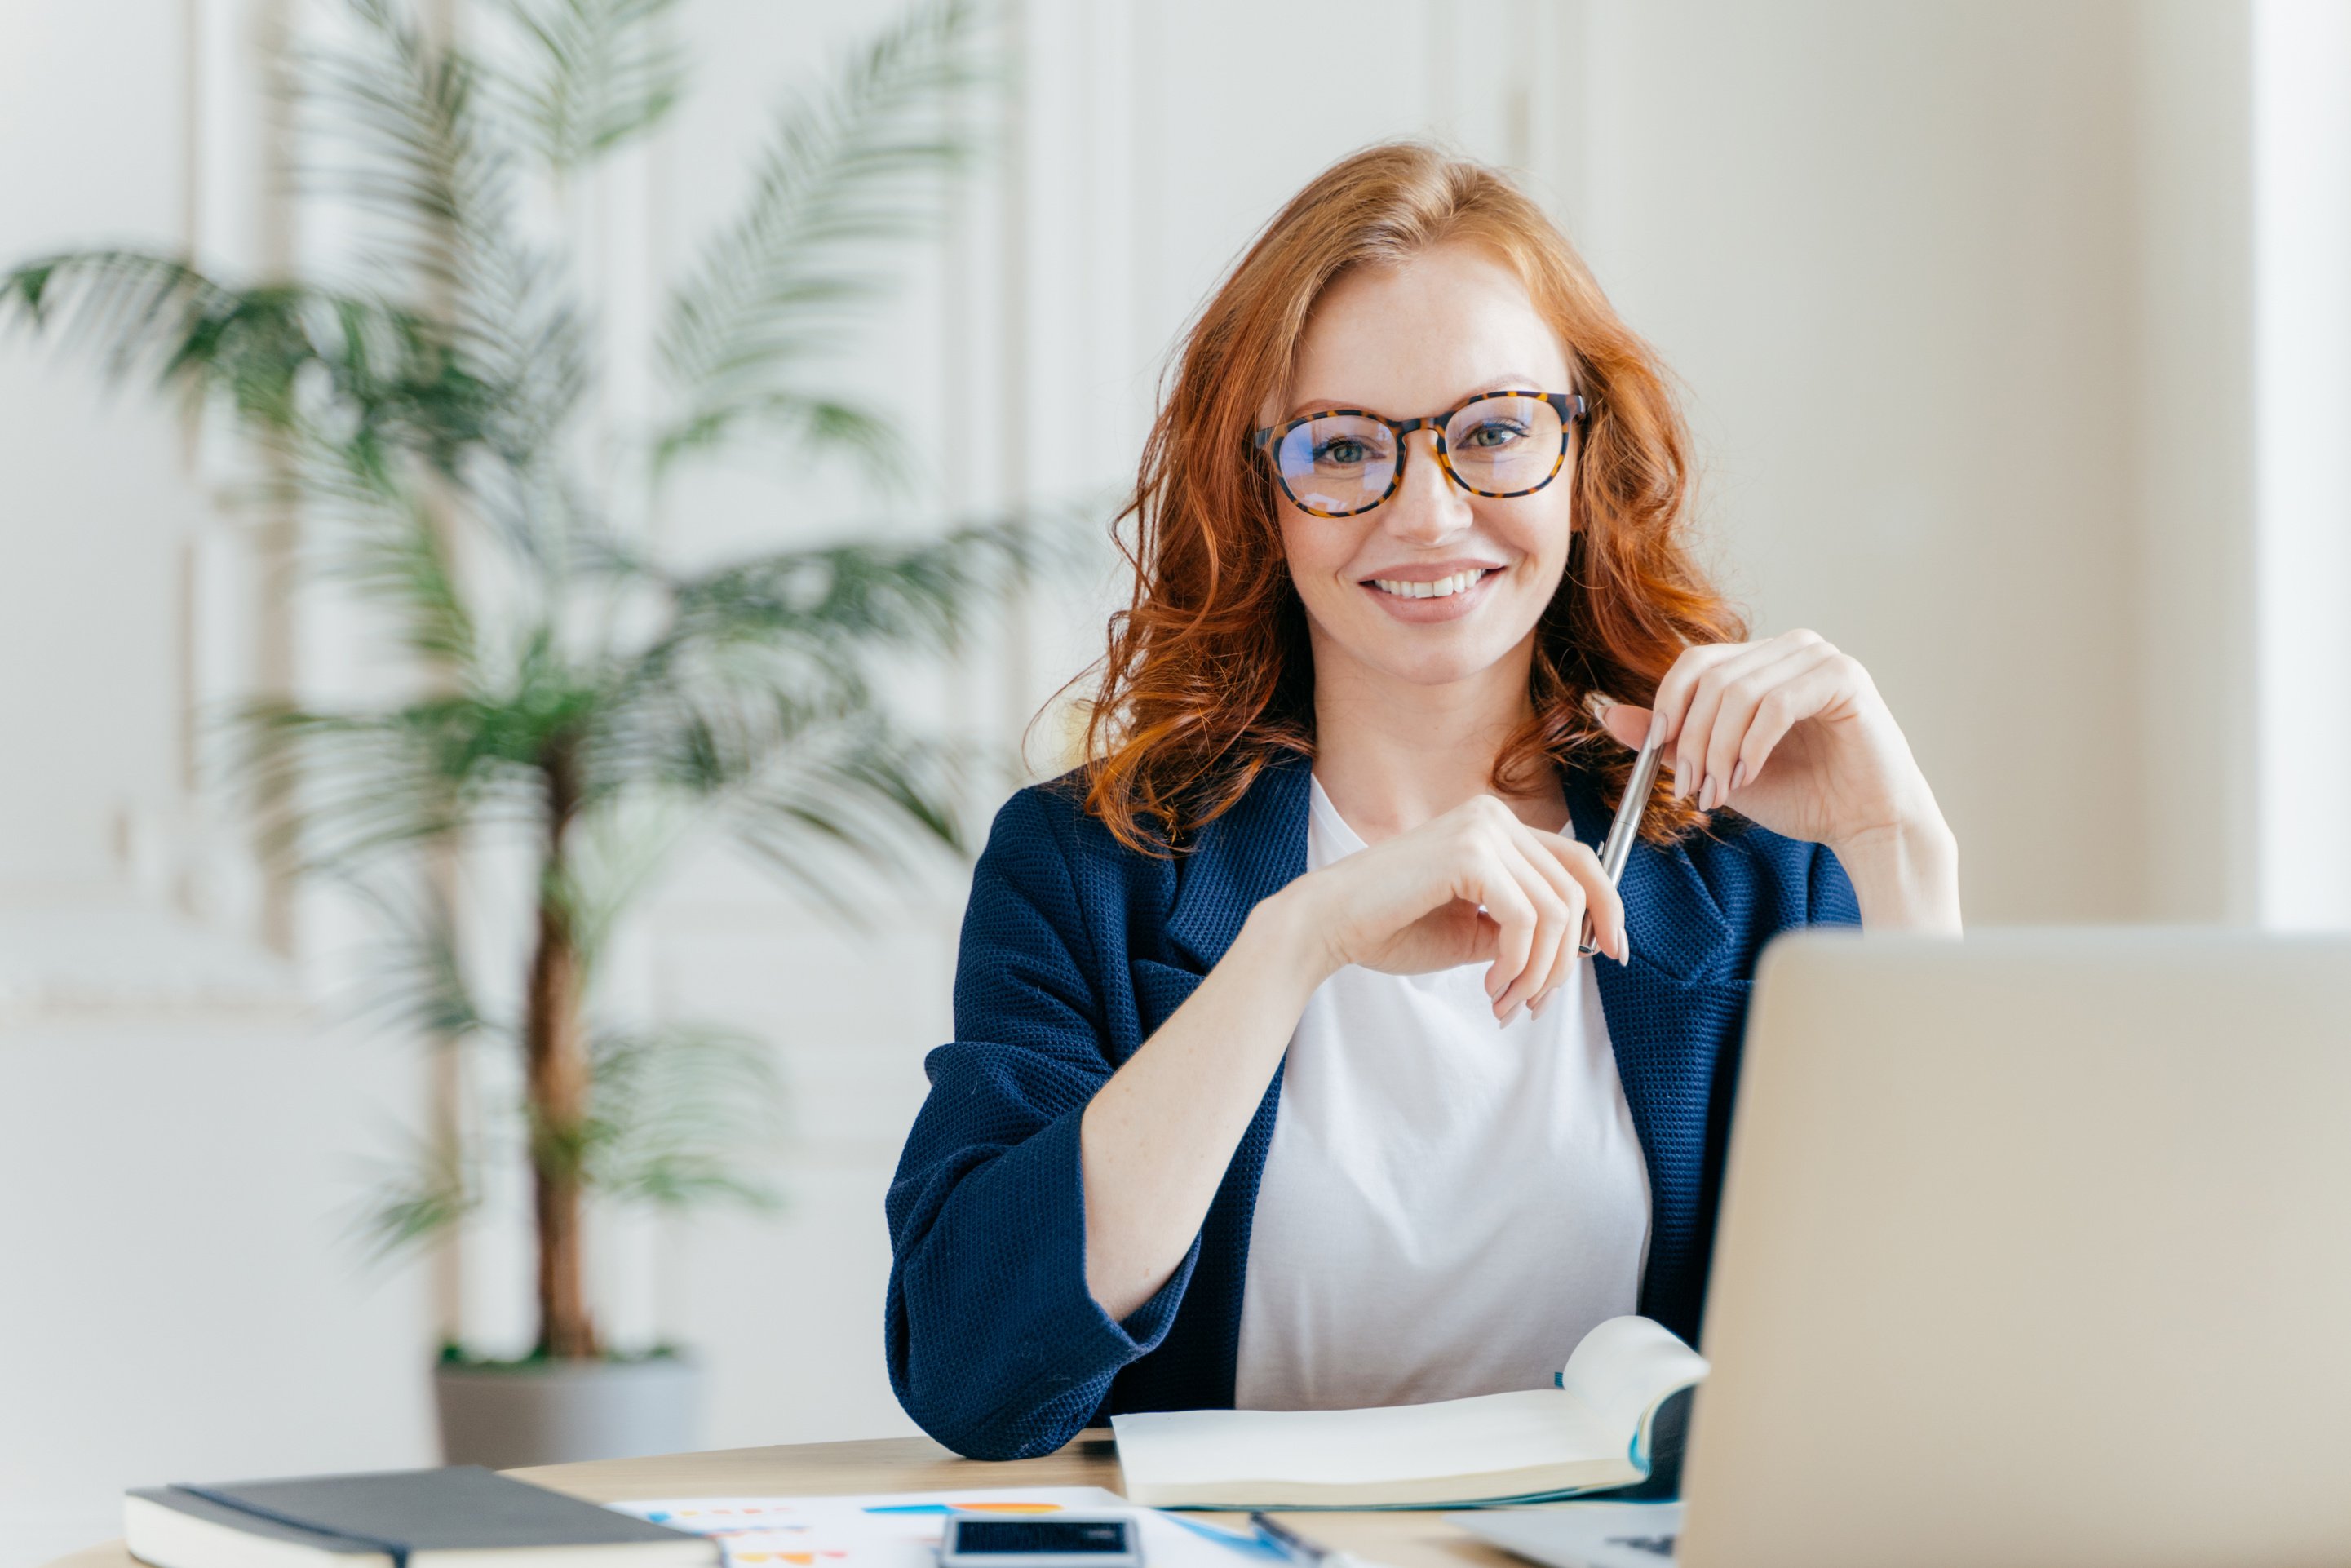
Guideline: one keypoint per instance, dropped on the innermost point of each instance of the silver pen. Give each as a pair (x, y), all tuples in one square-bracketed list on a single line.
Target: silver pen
[(1617, 848)]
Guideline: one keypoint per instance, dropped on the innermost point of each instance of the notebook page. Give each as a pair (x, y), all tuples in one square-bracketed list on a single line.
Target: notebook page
[(1490, 1434), (1623, 1366)]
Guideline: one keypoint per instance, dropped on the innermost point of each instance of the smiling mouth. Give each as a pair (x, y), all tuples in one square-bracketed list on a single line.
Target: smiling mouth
[(1442, 588)]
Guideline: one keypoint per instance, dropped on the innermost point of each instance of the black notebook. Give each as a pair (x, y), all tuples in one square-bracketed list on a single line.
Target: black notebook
[(459, 1518)]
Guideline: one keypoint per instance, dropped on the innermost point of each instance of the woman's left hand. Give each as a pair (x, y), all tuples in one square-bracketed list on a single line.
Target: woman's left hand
[(1791, 733)]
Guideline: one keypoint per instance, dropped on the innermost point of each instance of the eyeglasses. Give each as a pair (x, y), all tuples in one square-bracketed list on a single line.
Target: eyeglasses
[(1338, 462)]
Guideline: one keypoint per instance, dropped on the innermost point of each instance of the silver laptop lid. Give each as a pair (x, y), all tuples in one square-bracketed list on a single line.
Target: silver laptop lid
[(2035, 1249)]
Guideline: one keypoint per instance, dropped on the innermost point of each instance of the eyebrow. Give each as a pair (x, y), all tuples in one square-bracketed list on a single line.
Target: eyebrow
[(1509, 381)]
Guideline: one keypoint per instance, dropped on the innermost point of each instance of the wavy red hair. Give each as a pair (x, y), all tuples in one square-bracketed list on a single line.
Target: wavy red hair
[(1208, 678)]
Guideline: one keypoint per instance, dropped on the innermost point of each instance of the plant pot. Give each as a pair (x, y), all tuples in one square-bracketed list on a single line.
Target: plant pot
[(509, 1414)]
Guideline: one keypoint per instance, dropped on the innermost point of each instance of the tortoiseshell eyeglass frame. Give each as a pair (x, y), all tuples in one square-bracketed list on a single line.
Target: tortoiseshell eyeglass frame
[(1569, 406)]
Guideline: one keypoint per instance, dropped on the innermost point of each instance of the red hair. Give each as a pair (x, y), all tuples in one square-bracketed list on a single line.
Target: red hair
[(1208, 678)]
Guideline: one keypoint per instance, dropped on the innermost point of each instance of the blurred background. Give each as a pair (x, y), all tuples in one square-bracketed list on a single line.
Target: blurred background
[(2017, 336)]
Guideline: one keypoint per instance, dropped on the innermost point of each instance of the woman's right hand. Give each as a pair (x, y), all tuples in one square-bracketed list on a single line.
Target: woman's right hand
[(1474, 885)]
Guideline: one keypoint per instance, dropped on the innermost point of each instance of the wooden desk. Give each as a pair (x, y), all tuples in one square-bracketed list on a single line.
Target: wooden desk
[(1402, 1539)]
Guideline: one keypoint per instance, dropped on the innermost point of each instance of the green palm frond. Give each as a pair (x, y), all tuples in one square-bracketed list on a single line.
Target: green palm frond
[(680, 1117), (897, 594), (398, 117), (599, 73), (855, 795), (619, 846), (384, 377), (333, 791), (764, 677), (433, 1188), (416, 149), (845, 168), (819, 420), (416, 978), (387, 545), (706, 731), (136, 310)]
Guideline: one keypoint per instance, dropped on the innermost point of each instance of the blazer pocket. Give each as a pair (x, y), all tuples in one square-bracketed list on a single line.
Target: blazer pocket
[(1678, 930)]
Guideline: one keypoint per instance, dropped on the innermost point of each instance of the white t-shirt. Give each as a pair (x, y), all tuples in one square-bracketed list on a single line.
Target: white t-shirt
[(1448, 1206)]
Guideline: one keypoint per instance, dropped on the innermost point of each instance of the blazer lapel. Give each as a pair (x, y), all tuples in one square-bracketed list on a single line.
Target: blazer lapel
[(1668, 1012), (1256, 849)]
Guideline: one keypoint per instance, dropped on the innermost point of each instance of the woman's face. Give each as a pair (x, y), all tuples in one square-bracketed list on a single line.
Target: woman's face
[(1405, 341)]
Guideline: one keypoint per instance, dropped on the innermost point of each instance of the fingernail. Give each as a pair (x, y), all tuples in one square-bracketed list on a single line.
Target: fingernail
[(1738, 777), (1625, 946), (1706, 794)]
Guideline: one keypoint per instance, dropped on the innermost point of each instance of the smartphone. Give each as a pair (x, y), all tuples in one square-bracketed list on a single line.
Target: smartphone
[(1034, 1541)]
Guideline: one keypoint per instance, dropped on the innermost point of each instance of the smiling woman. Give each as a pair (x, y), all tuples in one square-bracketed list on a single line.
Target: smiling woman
[(1199, 690), (1278, 1080)]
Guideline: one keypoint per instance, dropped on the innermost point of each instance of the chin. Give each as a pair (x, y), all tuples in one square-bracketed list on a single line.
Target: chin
[(1433, 666)]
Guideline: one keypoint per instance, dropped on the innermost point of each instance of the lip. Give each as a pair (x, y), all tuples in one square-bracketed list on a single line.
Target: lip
[(1452, 607), (1431, 571)]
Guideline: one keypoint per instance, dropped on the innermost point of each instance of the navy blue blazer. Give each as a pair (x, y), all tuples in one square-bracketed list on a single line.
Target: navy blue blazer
[(1076, 948)]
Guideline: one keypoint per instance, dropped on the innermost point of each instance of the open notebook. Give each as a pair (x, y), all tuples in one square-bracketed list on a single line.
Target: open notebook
[(1591, 1433)]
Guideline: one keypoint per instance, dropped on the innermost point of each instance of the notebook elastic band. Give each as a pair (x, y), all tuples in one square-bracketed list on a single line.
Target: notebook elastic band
[(397, 1549)]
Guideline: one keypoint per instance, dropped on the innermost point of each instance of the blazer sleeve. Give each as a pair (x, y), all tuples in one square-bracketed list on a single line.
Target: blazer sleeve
[(996, 1346)]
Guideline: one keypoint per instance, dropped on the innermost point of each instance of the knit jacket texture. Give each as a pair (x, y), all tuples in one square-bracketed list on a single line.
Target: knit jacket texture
[(1075, 948)]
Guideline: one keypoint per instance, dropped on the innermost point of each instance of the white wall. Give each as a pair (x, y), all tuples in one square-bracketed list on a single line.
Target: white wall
[(1939, 276), (2194, 502), (1889, 249), (180, 1130), (98, 510)]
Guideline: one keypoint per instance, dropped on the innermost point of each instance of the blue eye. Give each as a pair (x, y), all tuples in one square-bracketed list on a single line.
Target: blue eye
[(1494, 432), (1345, 450)]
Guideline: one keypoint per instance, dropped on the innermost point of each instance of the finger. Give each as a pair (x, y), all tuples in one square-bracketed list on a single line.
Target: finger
[(1555, 927), (1832, 678), (1627, 725), (1542, 855), (1742, 694), (1604, 906), (1705, 700), (1513, 915), (1668, 710)]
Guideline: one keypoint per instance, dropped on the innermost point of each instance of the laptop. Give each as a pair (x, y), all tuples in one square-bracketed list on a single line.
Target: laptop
[(2034, 1248)]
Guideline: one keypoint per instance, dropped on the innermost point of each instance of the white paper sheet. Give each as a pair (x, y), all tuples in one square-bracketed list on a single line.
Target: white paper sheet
[(901, 1530), (1582, 1534)]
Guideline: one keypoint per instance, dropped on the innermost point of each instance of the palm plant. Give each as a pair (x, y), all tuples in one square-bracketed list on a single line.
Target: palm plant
[(576, 694)]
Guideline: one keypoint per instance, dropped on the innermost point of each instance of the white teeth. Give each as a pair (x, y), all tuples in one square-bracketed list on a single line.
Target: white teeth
[(1444, 587)]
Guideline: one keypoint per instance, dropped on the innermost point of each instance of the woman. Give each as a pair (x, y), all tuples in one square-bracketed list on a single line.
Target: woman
[(1278, 1080)]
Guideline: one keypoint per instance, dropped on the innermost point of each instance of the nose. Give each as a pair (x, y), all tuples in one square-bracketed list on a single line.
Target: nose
[(1427, 508)]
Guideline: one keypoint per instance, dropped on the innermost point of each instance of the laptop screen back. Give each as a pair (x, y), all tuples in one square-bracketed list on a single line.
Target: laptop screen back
[(2035, 1248)]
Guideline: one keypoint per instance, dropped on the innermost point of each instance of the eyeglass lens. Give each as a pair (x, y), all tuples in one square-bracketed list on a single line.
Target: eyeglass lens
[(1347, 462)]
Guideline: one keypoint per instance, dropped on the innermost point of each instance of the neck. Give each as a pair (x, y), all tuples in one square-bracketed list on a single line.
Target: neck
[(1392, 754)]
